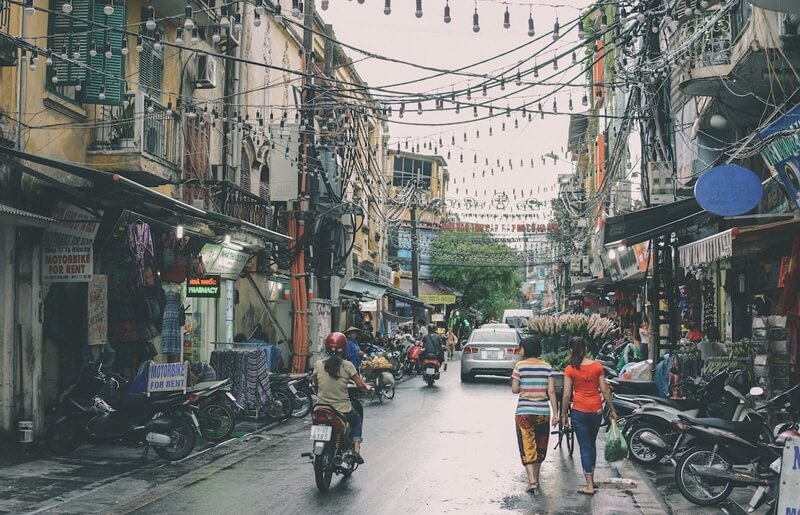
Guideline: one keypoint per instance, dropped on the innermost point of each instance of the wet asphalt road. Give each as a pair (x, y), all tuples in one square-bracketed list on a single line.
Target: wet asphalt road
[(446, 449)]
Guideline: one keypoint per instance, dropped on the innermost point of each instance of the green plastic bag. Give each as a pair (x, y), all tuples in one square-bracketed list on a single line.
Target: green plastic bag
[(616, 446)]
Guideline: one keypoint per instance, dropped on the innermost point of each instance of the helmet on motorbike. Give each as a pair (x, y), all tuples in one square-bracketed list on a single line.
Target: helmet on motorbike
[(335, 342), (741, 380)]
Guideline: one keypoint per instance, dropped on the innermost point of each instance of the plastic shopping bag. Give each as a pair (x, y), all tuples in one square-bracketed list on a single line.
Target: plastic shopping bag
[(616, 447)]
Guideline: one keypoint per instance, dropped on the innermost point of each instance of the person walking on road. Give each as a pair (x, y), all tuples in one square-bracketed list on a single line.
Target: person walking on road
[(353, 352), (532, 379), (585, 387), (452, 340)]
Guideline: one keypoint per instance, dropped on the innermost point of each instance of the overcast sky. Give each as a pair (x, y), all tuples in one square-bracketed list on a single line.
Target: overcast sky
[(430, 42)]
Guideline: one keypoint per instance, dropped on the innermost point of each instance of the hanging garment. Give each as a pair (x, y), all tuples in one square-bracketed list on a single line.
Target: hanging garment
[(247, 370), (171, 339), (140, 245)]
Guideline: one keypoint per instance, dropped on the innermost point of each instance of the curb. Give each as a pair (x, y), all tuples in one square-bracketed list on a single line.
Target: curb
[(648, 501)]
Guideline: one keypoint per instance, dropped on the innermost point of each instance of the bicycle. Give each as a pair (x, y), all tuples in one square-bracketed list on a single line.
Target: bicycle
[(563, 432), (381, 389)]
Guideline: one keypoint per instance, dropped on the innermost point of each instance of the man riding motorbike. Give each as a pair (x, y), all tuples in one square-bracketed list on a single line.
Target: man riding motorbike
[(432, 343), (331, 376)]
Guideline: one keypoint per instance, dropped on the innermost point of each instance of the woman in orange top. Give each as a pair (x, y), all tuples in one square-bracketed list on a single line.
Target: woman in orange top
[(584, 383)]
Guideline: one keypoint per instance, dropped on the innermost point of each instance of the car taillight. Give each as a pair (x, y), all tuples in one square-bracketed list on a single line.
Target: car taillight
[(470, 350), (515, 350), (192, 398), (680, 426)]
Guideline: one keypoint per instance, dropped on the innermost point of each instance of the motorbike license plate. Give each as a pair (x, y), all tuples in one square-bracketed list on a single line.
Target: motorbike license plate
[(430, 371), (321, 433), (230, 396)]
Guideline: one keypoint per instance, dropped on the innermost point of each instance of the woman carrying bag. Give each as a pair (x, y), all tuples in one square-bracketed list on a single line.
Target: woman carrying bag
[(585, 387)]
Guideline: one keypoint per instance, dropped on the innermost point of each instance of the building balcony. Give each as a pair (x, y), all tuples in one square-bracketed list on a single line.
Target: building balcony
[(237, 202), (141, 140), (709, 56)]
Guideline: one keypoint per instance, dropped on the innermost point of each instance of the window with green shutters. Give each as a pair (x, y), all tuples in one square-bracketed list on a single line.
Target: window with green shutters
[(151, 68), (68, 40), (106, 76)]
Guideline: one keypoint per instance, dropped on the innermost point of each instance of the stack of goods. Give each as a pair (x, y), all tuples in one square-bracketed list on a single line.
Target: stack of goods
[(377, 363), (247, 370), (556, 330), (772, 358)]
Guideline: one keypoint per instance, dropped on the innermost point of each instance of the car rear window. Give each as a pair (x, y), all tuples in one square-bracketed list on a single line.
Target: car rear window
[(490, 335)]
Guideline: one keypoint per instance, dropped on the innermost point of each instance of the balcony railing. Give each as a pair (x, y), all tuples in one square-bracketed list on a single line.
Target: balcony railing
[(239, 203), (140, 125), (713, 46)]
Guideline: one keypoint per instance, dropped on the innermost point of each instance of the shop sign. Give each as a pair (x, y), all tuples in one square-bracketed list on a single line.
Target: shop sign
[(75, 226), (371, 306), (782, 154), (67, 264), (438, 299), (206, 287), (437, 317), (789, 489), (98, 310), (224, 261), (728, 190), (167, 377)]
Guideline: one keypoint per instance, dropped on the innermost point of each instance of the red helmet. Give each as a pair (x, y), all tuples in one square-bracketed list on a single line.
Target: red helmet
[(335, 342)]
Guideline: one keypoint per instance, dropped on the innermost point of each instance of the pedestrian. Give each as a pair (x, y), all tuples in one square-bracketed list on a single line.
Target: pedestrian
[(452, 340), (353, 352), (532, 379), (423, 329), (585, 386)]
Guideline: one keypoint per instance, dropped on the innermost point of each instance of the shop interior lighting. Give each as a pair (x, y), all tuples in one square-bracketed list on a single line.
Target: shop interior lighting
[(179, 231)]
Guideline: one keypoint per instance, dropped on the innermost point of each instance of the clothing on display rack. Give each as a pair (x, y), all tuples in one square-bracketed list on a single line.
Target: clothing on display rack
[(247, 370), (171, 337), (140, 245)]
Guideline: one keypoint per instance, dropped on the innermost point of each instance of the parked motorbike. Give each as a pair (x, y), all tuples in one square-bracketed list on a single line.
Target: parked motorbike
[(414, 357), (285, 400), (726, 454), (430, 369), (213, 401), (649, 430), (332, 451), (165, 422)]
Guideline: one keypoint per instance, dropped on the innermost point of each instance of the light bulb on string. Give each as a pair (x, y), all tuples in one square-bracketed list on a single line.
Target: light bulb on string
[(531, 31), (195, 37), (502, 83), (324, 4), (419, 107), (178, 36), (447, 17), (107, 51), (157, 43), (465, 137), (555, 107), (476, 27), (518, 82), (555, 61), (108, 9), (556, 28), (124, 45), (570, 101), (277, 11), (215, 37), (237, 25), (48, 61), (67, 7), (535, 70), (574, 58), (458, 108), (418, 12), (151, 18), (259, 8), (585, 100), (475, 110), (256, 20), (469, 93), (506, 19), (296, 8), (483, 92), (581, 33), (92, 49)]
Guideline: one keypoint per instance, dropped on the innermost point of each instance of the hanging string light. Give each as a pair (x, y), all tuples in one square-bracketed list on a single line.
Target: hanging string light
[(507, 19), (276, 11), (387, 7), (555, 61), (556, 27), (476, 27), (446, 11), (67, 7), (418, 12), (151, 18), (531, 31)]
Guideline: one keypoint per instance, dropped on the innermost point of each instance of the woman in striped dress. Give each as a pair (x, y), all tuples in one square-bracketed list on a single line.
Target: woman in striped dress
[(532, 379)]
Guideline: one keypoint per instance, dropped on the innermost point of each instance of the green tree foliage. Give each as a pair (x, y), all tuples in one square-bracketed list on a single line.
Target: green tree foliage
[(488, 273)]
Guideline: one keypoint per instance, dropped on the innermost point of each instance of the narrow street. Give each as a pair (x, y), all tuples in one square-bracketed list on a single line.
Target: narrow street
[(446, 449)]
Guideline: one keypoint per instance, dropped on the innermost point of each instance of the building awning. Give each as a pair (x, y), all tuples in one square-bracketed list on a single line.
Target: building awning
[(362, 289), (13, 216), (391, 317), (404, 296), (646, 224), (429, 288), (737, 242), (116, 182), (715, 247)]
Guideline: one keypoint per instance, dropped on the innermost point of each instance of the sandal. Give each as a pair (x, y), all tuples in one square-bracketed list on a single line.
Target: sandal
[(532, 488), (584, 492)]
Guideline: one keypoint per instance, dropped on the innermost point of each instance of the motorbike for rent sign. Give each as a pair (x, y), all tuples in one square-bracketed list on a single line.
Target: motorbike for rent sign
[(789, 488), (67, 264), (167, 377)]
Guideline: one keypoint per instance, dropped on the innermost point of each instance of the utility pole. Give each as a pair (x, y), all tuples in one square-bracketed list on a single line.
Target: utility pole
[(414, 258)]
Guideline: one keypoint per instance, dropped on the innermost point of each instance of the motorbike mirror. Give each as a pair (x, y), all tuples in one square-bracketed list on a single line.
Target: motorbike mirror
[(756, 391)]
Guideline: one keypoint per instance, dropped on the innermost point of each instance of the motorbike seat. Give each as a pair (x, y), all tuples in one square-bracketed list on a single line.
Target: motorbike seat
[(749, 430), (642, 387), (208, 385), (279, 378), (678, 404), (342, 420)]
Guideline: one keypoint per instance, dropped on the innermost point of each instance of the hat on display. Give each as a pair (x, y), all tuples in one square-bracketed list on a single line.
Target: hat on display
[(352, 329)]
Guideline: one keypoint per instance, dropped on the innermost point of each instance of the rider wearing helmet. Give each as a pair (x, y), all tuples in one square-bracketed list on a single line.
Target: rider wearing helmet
[(332, 376)]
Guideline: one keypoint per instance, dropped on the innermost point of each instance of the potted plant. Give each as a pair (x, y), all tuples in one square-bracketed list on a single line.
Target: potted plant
[(121, 135)]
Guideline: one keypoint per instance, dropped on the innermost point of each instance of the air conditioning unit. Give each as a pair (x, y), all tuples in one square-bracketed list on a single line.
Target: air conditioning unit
[(206, 72), (662, 185)]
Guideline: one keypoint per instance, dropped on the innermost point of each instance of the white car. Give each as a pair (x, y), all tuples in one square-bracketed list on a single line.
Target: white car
[(490, 352)]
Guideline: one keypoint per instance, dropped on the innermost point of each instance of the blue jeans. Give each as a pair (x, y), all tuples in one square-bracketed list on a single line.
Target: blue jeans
[(356, 425), (586, 426)]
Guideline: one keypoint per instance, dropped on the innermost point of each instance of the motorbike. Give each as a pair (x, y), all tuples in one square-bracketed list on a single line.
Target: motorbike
[(649, 430), (285, 397), (213, 401), (332, 451), (166, 422), (414, 357), (305, 396), (430, 369), (727, 454)]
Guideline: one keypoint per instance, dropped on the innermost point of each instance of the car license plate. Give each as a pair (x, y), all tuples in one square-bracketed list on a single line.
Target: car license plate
[(321, 433), (489, 354), (230, 396), (430, 371)]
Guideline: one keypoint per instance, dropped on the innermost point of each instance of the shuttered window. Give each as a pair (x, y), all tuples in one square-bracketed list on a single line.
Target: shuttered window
[(68, 40), (151, 65), (105, 82)]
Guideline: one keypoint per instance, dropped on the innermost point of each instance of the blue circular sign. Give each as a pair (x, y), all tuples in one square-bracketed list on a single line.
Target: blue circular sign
[(728, 190)]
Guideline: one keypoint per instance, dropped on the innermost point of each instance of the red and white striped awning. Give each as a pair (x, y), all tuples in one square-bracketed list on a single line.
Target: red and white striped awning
[(701, 252)]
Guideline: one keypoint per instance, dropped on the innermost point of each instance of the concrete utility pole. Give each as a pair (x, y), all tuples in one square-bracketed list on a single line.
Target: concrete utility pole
[(414, 258)]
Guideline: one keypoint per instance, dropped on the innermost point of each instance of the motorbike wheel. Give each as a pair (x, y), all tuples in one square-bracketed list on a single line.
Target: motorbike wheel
[(429, 380), (323, 468), (303, 404), (398, 373), (389, 392), (569, 435), (183, 440), (217, 421), (282, 406), (642, 452), (63, 437), (696, 489)]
